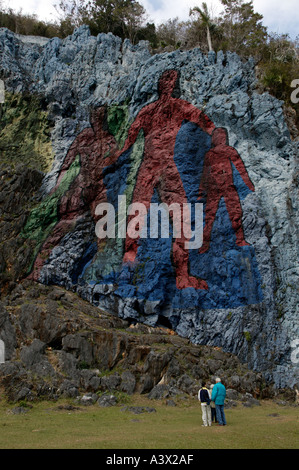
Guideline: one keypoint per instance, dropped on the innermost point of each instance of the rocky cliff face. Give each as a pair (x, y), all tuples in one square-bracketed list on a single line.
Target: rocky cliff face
[(175, 128), (59, 345)]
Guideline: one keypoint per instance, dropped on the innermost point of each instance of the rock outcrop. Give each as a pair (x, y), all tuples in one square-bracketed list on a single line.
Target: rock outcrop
[(58, 345), (121, 127)]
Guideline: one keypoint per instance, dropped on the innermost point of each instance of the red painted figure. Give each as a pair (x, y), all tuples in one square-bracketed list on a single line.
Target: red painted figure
[(217, 182), (160, 122), (88, 190)]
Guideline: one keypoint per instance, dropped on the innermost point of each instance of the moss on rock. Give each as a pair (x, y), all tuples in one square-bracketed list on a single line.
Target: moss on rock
[(25, 132)]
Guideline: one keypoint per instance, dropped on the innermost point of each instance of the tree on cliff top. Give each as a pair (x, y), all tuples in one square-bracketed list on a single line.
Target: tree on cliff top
[(26, 24), (242, 29), (205, 19), (123, 18)]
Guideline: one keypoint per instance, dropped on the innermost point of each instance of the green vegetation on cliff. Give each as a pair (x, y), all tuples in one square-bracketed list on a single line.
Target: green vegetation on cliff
[(25, 132), (44, 216)]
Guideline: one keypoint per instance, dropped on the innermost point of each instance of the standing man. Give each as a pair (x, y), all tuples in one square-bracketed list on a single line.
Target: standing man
[(217, 182), (205, 400), (86, 191), (160, 123), (218, 396)]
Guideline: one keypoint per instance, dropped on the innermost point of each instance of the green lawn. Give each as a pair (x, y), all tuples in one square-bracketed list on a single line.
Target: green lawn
[(45, 426)]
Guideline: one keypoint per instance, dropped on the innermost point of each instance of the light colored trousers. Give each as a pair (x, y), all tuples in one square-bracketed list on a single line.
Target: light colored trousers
[(206, 414)]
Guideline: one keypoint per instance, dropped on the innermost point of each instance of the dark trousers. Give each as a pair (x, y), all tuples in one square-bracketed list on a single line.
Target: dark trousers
[(213, 414), (220, 415)]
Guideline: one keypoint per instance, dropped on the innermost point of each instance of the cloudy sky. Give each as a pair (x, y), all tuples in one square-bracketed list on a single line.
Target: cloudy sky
[(280, 16)]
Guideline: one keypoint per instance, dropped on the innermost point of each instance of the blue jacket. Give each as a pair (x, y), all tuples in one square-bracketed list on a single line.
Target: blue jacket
[(219, 393)]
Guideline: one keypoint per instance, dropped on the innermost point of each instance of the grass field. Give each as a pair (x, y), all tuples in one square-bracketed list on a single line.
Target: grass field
[(49, 425)]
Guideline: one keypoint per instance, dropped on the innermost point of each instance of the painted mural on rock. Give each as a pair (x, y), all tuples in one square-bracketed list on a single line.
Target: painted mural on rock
[(244, 295), (171, 153)]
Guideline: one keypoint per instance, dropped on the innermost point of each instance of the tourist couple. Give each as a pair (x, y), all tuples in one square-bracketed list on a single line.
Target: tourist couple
[(212, 403)]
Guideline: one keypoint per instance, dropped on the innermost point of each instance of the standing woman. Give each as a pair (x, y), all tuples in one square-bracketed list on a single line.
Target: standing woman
[(213, 406), (205, 400)]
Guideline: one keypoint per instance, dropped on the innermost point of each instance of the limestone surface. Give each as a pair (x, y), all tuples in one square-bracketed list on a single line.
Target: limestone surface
[(173, 128)]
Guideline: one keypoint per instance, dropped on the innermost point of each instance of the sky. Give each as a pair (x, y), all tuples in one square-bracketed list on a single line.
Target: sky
[(280, 16)]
